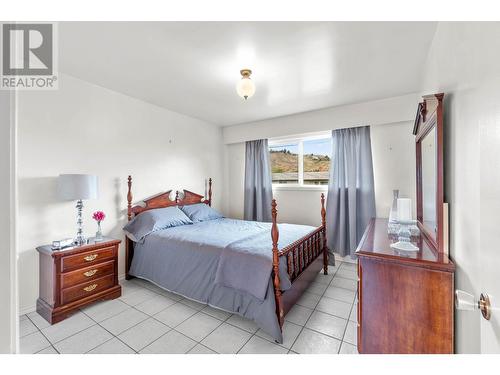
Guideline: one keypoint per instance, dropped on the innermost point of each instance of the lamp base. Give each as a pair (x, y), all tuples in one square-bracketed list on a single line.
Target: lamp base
[(80, 238)]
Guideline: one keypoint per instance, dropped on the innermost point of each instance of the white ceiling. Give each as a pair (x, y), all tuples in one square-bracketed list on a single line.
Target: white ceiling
[(193, 67)]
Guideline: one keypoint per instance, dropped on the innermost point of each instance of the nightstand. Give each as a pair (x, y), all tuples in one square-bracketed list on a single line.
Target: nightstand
[(76, 277)]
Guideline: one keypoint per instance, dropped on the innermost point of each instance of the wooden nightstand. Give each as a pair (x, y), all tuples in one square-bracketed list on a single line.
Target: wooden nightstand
[(77, 276)]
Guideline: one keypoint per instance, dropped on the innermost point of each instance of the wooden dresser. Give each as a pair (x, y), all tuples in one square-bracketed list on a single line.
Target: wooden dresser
[(406, 303), (77, 276)]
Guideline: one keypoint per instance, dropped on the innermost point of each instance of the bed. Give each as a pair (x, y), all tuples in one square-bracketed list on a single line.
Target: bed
[(257, 270)]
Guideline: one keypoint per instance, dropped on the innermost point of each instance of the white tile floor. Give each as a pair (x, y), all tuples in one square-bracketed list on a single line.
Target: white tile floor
[(147, 319)]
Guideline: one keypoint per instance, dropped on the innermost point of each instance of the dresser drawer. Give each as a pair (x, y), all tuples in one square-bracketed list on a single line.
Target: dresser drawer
[(87, 274), (72, 262), (87, 289)]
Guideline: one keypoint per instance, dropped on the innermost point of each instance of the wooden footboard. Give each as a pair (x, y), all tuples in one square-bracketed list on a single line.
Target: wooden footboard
[(302, 262)]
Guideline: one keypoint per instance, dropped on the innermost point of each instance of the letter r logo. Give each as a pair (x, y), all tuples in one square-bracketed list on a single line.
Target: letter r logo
[(27, 49)]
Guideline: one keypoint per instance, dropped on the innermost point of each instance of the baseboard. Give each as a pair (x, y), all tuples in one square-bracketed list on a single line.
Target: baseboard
[(27, 310)]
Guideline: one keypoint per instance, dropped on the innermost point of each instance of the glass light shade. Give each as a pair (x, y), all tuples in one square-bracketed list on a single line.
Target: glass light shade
[(245, 88)]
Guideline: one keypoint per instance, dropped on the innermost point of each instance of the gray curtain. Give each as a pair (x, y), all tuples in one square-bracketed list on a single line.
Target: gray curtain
[(258, 182), (351, 193)]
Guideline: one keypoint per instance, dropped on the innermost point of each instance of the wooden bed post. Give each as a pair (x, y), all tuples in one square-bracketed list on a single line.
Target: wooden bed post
[(210, 192), (129, 198), (276, 266), (129, 251), (323, 224)]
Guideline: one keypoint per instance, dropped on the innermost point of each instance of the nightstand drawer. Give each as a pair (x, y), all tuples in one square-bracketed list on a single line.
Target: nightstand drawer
[(86, 259), (87, 289), (87, 274)]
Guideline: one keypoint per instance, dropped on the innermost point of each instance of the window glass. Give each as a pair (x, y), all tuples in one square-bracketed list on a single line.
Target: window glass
[(316, 159), (285, 163)]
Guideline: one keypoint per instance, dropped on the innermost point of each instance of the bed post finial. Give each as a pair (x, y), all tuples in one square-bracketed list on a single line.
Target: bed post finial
[(323, 224), (276, 265), (129, 198), (210, 191)]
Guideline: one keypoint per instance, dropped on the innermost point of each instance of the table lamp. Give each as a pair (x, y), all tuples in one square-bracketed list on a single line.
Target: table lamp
[(71, 187)]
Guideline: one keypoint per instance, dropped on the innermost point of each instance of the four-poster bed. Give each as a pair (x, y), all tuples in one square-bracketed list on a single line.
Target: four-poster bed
[(301, 258)]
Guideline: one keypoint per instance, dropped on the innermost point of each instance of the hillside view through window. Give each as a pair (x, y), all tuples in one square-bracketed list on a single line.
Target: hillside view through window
[(304, 162)]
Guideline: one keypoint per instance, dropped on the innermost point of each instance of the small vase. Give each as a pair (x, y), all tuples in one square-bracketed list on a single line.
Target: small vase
[(98, 234)]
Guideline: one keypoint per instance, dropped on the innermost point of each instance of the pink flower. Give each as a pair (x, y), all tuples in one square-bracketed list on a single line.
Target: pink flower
[(98, 216)]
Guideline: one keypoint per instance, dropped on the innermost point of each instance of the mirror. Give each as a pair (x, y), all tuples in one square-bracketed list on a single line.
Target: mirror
[(429, 183), (428, 131)]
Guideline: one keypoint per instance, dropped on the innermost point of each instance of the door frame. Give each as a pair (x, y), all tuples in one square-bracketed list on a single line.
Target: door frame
[(10, 322)]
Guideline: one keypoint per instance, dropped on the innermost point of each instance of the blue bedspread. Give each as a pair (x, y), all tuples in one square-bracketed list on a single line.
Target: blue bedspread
[(225, 263), (246, 264)]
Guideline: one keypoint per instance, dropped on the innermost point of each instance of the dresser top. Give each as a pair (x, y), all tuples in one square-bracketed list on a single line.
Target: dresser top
[(376, 243), (90, 245)]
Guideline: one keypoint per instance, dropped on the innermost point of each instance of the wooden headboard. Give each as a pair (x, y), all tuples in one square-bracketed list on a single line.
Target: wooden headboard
[(163, 200), (159, 201)]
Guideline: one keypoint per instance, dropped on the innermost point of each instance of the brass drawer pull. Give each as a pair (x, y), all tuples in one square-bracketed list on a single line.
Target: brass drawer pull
[(90, 258), (90, 273), (90, 287)]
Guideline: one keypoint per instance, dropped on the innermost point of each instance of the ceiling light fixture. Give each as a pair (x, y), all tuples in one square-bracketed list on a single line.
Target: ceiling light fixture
[(245, 87)]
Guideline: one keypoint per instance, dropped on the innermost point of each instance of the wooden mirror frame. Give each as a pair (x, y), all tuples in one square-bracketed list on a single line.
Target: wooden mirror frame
[(430, 116)]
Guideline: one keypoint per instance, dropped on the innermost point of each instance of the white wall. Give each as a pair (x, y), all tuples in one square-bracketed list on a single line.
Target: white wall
[(84, 128), (384, 111), (8, 310), (393, 150), (463, 63)]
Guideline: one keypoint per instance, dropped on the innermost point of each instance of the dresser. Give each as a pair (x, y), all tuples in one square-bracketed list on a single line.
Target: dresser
[(406, 302), (75, 277)]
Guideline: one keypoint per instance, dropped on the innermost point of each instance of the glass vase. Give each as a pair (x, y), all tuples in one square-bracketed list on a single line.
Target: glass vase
[(98, 234)]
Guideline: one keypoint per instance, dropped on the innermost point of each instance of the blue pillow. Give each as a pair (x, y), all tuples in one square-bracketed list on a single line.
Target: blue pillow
[(153, 220), (200, 212)]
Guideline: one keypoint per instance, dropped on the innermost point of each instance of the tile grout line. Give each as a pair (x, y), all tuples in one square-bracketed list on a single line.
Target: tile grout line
[(246, 342), (173, 328), (204, 347), (170, 328), (46, 338), (345, 329), (226, 320), (37, 331), (199, 342), (313, 310), (198, 311), (97, 323), (302, 329), (221, 321)]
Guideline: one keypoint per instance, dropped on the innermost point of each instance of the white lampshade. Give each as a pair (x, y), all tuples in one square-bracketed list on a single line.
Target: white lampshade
[(73, 187), (245, 88)]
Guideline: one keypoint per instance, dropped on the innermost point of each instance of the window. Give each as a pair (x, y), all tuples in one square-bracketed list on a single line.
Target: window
[(316, 161), (301, 162), (285, 163)]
